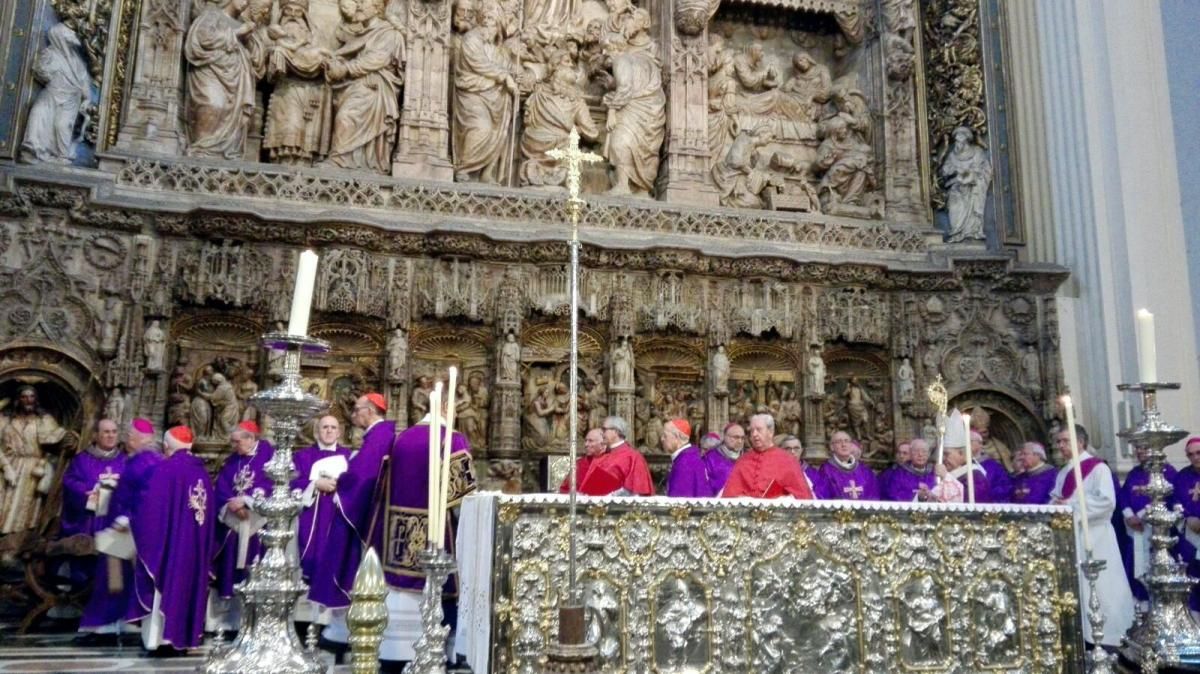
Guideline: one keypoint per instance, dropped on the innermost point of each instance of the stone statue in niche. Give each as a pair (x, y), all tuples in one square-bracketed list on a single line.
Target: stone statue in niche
[(595, 402), (791, 413), (226, 412), (754, 72), (484, 99), (621, 364), (397, 355), (154, 343), (722, 98), (25, 473), (858, 410), (637, 115), (846, 163), (509, 371), (298, 116), (116, 405), (816, 373), (539, 413), (366, 73), (1031, 371), (110, 326), (551, 111), (904, 380), (719, 371), (742, 176), (810, 86), (220, 81), (66, 90), (967, 172)]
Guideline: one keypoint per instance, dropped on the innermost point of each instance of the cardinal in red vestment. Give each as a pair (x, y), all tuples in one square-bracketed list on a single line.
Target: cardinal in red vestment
[(766, 471), (610, 467)]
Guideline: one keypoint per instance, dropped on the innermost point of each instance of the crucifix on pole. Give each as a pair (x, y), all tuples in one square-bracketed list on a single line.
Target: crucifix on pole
[(572, 651)]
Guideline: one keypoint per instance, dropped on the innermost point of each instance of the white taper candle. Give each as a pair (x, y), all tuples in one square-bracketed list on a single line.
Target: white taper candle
[(306, 279)]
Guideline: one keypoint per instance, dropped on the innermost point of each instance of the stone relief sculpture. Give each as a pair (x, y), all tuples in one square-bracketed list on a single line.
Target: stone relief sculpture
[(25, 472), (1031, 371), (809, 85), (722, 98), (637, 113), (366, 72), (551, 111), (481, 399), (484, 101), (509, 359), (755, 73), (66, 90), (154, 343), (816, 373), (742, 176), (299, 113), (845, 162), (220, 81), (719, 371), (967, 172), (419, 399), (116, 405)]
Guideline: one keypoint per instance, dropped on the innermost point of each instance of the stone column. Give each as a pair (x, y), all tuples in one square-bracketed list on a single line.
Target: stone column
[(423, 150), (152, 118), (684, 174)]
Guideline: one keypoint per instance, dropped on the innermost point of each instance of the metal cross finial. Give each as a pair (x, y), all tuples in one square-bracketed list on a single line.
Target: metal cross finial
[(573, 158)]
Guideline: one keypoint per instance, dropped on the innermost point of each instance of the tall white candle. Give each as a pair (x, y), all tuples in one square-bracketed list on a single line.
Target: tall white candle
[(1077, 471), (306, 278), (1147, 358), (435, 404), (970, 461), (447, 448)]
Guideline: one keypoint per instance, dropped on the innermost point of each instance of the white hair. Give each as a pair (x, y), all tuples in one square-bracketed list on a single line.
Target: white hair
[(767, 420), (1036, 448)]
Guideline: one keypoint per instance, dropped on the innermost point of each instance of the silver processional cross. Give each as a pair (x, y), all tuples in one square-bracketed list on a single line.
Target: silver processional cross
[(573, 158)]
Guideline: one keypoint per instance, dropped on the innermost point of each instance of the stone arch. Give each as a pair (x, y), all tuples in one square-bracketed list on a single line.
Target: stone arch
[(1012, 420)]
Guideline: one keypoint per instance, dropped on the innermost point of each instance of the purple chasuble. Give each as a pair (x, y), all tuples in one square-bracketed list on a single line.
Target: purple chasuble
[(689, 475), (1187, 494), (83, 475), (136, 476), (999, 482), (813, 475), (903, 482), (333, 573), (1034, 487), (240, 475), (982, 487), (408, 509), (173, 530), (857, 483), (719, 466), (314, 521)]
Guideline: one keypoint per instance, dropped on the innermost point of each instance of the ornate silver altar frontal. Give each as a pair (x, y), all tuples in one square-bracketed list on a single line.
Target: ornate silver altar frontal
[(698, 586)]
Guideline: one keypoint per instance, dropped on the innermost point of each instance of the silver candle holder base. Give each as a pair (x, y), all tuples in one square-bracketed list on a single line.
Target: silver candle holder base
[(266, 642), (1100, 661), (1166, 636), (430, 648)]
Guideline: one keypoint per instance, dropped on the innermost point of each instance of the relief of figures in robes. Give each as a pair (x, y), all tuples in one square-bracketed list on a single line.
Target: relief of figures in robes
[(65, 95), (220, 81), (967, 173), (366, 73), (636, 121), (485, 93), (299, 112), (551, 111)]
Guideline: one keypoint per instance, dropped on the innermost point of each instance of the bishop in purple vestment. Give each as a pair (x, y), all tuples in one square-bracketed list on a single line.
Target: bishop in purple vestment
[(88, 485), (1032, 486), (172, 528), (333, 573), (903, 482), (242, 485), (845, 477), (689, 473), (1134, 535), (317, 470), (725, 452), (1187, 494)]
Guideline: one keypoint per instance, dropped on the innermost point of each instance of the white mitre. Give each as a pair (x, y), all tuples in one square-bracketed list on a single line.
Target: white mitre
[(956, 432)]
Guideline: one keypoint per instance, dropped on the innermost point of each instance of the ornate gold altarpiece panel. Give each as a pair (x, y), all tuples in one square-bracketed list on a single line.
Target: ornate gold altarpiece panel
[(725, 586)]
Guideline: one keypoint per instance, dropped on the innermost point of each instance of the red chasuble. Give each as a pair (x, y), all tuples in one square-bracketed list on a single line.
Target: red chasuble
[(768, 474), (621, 467)]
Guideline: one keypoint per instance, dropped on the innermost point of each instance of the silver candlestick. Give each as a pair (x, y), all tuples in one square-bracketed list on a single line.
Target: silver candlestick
[(1100, 661), (266, 642), (430, 649), (1165, 636)]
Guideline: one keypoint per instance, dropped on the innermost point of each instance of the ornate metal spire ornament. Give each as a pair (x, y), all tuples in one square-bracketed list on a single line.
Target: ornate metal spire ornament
[(572, 653), (368, 615), (1166, 636), (939, 399), (266, 642)]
